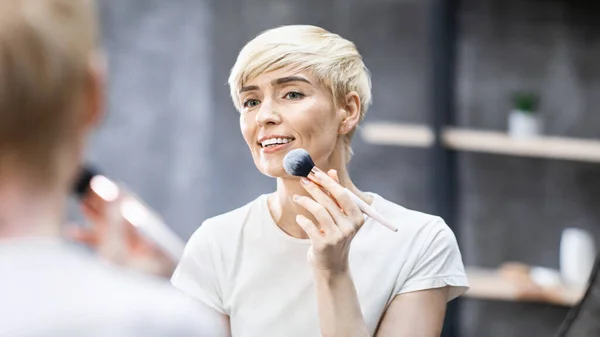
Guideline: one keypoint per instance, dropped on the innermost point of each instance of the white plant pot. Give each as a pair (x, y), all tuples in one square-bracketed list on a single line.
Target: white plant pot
[(522, 124)]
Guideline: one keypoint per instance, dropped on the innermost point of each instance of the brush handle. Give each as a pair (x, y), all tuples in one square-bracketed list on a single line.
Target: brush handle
[(152, 226), (132, 209), (371, 212)]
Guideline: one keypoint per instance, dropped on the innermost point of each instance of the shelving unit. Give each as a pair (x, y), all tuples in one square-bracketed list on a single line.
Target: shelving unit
[(411, 135), (541, 147), (486, 283), (482, 141), (442, 141), (489, 284)]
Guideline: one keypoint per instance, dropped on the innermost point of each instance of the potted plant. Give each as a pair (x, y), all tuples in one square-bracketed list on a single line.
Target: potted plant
[(524, 120)]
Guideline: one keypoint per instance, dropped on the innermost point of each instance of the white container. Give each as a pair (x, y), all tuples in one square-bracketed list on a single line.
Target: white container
[(545, 277), (522, 124), (577, 256)]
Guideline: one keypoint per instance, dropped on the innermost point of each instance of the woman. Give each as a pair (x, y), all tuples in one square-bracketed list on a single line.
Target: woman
[(303, 87)]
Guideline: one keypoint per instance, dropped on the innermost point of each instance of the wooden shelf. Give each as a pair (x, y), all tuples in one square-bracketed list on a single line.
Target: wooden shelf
[(542, 146), (411, 135), (484, 141), (490, 284)]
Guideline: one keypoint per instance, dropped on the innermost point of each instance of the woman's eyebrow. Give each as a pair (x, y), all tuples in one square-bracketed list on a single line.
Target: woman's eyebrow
[(249, 88), (277, 81), (288, 79)]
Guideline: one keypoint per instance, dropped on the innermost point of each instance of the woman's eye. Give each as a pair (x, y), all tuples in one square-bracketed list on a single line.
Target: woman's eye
[(294, 95), (250, 103)]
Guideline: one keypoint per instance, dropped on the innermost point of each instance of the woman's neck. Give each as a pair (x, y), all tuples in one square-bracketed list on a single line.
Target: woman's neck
[(30, 213), (284, 210)]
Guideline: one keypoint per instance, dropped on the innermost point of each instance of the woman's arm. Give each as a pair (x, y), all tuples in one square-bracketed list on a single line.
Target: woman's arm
[(415, 314), (338, 306), (219, 324), (437, 276)]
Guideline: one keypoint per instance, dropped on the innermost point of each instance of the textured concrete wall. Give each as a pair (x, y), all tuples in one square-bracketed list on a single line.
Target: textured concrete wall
[(159, 119)]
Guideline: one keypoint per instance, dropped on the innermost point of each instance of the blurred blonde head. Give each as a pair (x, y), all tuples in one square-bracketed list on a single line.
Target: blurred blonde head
[(332, 59), (46, 53)]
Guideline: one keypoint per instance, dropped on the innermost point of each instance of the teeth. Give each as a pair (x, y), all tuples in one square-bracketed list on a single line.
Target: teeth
[(274, 141)]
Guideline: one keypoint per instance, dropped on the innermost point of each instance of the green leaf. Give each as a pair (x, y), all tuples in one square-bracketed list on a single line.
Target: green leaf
[(525, 101)]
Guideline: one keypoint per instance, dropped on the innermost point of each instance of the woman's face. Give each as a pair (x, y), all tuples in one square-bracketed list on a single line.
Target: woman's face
[(284, 110)]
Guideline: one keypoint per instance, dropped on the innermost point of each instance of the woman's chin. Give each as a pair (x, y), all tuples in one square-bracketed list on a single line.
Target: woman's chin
[(275, 174), (274, 171)]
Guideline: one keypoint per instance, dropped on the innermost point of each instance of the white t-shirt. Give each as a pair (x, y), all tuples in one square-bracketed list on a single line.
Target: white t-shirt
[(52, 288), (243, 265)]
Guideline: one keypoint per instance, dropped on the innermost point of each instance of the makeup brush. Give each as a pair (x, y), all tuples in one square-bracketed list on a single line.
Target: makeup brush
[(298, 163), (94, 190)]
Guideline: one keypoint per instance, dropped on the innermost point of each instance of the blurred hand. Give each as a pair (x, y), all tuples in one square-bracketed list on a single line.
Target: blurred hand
[(116, 240), (338, 220)]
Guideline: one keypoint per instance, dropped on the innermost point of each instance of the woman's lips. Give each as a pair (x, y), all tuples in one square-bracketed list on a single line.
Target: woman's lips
[(274, 148)]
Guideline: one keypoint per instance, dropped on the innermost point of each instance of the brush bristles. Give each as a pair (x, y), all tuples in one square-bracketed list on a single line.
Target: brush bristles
[(83, 181), (298, 163)]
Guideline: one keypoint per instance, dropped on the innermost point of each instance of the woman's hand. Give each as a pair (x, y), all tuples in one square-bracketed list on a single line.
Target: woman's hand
[(338, 220), (116, 240)]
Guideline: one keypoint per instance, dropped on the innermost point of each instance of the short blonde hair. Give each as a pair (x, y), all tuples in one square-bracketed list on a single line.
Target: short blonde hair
[(45, 50), (334, 60)]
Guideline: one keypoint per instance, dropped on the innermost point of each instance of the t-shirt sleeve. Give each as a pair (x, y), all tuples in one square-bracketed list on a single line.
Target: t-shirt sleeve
[(438, 264), (197, 273)]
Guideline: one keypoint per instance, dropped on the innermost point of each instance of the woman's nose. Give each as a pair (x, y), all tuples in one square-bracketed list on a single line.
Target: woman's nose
[(268, 114)]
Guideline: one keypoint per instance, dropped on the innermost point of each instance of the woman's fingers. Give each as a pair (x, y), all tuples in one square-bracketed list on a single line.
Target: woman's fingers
[(309, 227), (81, 235), (114, 234), (321, 196), (320, 212), (342, 197)]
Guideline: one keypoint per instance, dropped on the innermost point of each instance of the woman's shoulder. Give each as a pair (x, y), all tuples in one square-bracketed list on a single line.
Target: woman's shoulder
[(408, 220), (417, 231)]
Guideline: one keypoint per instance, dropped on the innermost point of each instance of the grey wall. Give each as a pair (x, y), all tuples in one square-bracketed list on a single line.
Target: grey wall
[(173, 136), (155, 137), (514, 209)]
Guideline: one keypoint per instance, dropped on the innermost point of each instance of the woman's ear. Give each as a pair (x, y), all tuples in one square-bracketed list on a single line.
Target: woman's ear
[(95, 90), (351, 106)]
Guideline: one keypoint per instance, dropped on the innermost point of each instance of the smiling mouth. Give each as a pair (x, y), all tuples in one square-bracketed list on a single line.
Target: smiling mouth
[(273, 142)]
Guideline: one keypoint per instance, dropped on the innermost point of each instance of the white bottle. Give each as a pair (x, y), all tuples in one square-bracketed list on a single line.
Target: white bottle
[(577, 256)]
